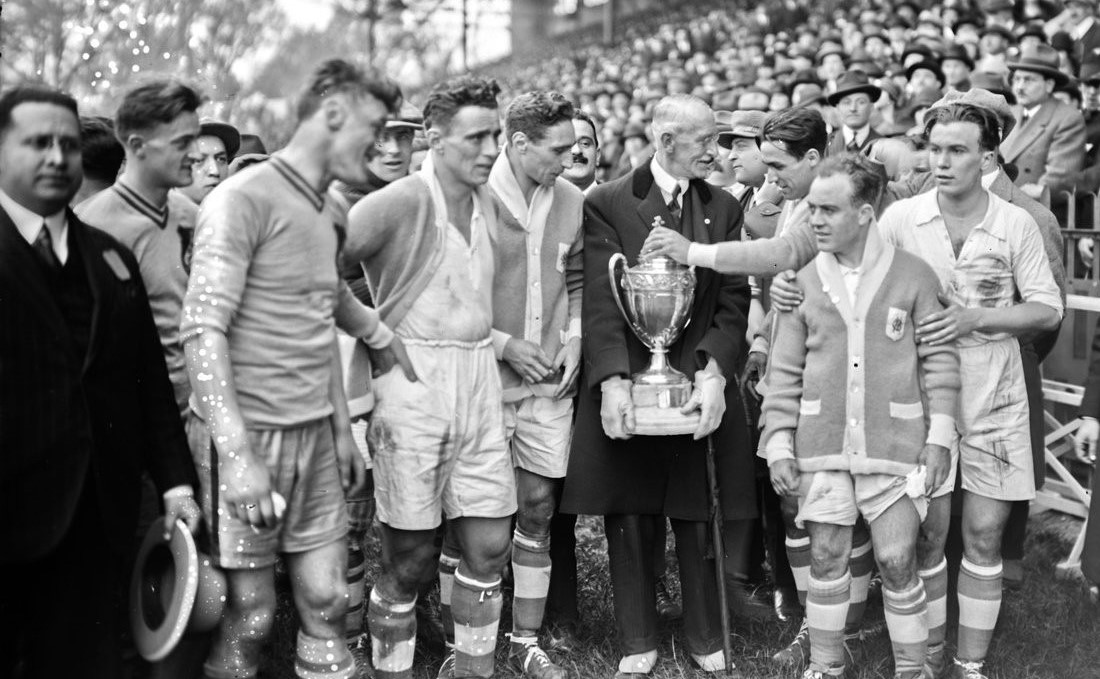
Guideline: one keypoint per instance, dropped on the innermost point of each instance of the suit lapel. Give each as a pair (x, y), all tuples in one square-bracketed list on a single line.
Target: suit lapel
[(94, 270), (18, 264), (653, 211), (1026, 134)]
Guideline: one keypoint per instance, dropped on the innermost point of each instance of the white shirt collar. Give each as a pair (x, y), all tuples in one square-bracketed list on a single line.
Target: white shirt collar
[(1082, 28), (29, 223), (666, 182), (988, 179), (1030, 112), (859, 135)]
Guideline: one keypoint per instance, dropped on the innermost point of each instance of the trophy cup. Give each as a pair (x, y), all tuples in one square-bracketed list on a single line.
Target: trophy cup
[(658, 294)]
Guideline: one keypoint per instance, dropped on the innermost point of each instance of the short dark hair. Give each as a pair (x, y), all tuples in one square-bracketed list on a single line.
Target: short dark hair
[(154, 103), (102, 153), (989, 125), (533, 113), (868, 177), (584, 117), (339, 76), (449, 96), (799, 128), (32, 94)]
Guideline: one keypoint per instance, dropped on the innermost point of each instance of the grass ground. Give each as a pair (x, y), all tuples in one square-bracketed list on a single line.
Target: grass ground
[(1047, 630)]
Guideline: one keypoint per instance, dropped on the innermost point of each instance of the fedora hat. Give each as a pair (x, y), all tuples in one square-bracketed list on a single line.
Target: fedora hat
[(993, 82), (1041, 59), (852, 82), (1090, 73), (958, 53), (229, 135), (173, 589), (999, 30), (930, 66)]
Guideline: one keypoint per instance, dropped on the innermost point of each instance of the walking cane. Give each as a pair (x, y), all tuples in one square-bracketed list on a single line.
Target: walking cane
[(719, 551)]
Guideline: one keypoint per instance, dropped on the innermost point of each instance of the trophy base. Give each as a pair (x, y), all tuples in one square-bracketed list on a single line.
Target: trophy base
[(656, 421), (659, 390), (657, 409)]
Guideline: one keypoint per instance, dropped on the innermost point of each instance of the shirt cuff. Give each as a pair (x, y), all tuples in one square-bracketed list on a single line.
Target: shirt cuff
[(760, 344), (702, 255), (380, 338), (179, 491), (941, 430), (500, 340), (574, 329), (780, 447)]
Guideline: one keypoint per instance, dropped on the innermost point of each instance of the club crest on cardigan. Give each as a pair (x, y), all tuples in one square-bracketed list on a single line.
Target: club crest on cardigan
[(895, 323)]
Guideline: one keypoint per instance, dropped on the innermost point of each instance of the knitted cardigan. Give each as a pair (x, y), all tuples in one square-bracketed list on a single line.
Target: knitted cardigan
[(852, 383)]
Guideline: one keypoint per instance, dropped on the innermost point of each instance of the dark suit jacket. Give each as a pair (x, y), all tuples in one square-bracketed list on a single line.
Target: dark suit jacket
[(658, 474), (66, 420), (837, 146), (1049, 149)]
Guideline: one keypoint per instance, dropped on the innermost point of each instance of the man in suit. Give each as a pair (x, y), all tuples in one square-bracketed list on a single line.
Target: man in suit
[(1048, 144), (855, 99), (636, 482), (1082, 26), (85, 405)]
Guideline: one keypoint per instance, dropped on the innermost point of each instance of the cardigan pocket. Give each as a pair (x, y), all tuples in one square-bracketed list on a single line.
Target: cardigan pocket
[(809, 407), (906, 411)]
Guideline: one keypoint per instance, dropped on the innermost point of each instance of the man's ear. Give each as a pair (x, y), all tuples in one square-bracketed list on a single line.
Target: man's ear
[(335, 111), (866, 214), (814, 156), (135, 144), (434, 138), (519, 141)]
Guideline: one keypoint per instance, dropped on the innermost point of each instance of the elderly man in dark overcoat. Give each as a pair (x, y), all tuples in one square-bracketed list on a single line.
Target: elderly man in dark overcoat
[(637, 481)]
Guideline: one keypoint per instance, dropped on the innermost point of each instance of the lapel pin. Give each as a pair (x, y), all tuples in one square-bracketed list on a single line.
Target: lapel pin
[(706, 221)]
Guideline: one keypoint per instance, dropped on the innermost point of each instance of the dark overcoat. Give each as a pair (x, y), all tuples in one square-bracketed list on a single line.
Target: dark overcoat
[(658, 474), (73, 424)]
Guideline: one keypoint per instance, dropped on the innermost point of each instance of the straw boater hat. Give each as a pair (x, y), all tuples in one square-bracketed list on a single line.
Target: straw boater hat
[(174, 589), (1041, 59), (852, 82)]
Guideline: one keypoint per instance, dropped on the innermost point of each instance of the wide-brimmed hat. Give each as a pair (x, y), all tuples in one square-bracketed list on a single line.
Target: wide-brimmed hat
[(229, 135), (852, 82), (1090, 73), (993, 82), (174, 589), (930, 66), (1041, 59), (830, 49), (983, 99)]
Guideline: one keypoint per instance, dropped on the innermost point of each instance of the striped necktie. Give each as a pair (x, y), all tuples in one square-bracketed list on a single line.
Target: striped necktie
[(43, 245)]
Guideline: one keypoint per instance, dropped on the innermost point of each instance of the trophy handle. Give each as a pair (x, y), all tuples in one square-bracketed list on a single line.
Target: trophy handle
[(613, 266)]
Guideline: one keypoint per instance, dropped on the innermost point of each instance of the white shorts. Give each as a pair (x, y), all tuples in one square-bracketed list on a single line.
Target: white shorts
[(995, 445), (839, 498), (438, 443), (539, 430)]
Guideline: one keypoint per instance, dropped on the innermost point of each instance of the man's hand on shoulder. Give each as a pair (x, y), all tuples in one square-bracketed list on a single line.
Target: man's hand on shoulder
[(786, 295)]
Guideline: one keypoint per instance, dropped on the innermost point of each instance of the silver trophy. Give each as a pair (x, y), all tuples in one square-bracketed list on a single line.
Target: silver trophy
[(655, 298)]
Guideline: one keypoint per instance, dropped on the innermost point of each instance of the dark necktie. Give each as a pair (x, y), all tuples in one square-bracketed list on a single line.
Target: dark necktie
[(674, 205), (853, 146), (43, 245), (1025, 117)]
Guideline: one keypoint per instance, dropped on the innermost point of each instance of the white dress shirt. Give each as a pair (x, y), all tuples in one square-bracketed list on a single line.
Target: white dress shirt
[(29, 224), (667, 183)]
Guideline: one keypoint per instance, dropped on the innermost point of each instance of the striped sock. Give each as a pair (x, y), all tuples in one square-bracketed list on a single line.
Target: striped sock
[(448, 563), (798, 554), (392, 636), (860, 563), (357, 570), (531, 571), (935, 588), (908, 624), (826, 610), (476, 608), (979, 606), (322, 659)]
